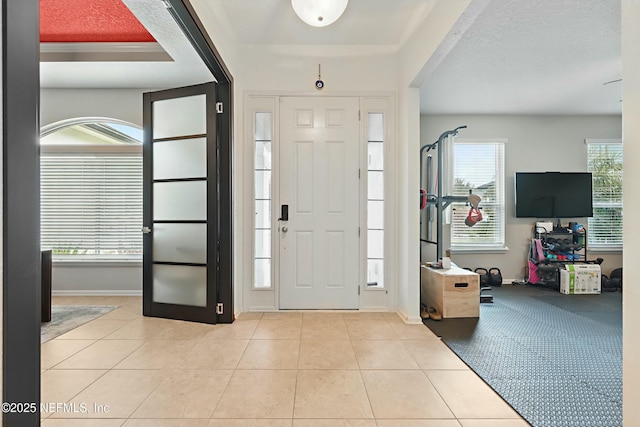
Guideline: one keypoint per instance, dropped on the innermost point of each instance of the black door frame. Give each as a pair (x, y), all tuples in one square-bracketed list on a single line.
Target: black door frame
[(186, 18), (21, 203), (206, 314), (21, 212)]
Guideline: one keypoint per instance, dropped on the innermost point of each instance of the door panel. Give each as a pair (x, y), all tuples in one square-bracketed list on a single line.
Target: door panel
[(180, 284), (318, 179), (180, 204), (184, 158), (180, 201), (186, 243)]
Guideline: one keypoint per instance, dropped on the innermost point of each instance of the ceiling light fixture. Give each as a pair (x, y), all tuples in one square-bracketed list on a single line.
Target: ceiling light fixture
[(319, 13)]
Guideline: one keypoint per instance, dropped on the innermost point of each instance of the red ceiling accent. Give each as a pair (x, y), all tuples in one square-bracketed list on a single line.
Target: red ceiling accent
[(63, 21)]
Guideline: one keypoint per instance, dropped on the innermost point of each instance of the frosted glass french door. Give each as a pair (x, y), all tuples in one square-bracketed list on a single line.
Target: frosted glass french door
[(180, 204)]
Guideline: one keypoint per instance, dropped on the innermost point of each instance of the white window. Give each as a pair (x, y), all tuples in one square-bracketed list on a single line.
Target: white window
[(604, 161), (263, 141), (375, 200), (478, 166), (91, 191)]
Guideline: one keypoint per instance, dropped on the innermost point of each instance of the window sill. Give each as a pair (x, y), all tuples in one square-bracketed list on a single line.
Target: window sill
[(479, 249), (97, 262), (598, 250)]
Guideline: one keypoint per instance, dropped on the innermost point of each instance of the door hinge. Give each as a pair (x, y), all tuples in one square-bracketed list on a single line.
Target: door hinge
[(219, 108), (220, 308), (166, 4), (359, 174), (358, 231), (359, 119), (358, 289)]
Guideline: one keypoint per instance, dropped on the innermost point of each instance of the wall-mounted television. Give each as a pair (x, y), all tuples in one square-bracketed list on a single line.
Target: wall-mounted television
[(553, 194)]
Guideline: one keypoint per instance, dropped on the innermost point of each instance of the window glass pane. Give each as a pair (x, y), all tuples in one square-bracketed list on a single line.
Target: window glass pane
[(375, 273), (262, 273), (263, 127), (375, 214), (263, 154), (605, 164), (262, 175), (376, 127), (375, 244), (263, 243), (263, 184), (376, 186), (375, 203), (479, 167), (263, 214), (91, 193), (375, 157)]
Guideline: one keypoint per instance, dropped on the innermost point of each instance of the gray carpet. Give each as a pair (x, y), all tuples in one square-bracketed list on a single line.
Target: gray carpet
[(67, 317), (556, 359)]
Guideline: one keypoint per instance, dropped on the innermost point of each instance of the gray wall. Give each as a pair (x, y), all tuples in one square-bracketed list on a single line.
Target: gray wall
[(535, 144), (61, 104)]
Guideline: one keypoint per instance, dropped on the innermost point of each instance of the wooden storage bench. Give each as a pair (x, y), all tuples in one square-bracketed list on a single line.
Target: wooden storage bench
[(454, 292)]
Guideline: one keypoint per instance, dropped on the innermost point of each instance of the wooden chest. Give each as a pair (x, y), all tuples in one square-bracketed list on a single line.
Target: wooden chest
[(454, 292)]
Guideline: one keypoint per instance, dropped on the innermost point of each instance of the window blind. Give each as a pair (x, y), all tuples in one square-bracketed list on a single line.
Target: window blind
[(605, 165), (91, 204), (478, 166)]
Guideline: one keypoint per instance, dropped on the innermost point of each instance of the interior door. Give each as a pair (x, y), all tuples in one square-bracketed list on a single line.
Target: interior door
[(180, 204), (319, 195)]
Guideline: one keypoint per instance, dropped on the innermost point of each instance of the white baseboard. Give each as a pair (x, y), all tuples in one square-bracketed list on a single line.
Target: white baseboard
[(410, 320), (96, 293)]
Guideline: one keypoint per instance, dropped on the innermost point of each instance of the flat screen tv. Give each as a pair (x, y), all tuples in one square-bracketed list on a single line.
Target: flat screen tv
[(553, 195)]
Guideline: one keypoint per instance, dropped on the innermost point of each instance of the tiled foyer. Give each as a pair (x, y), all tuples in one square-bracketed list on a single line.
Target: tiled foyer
[(285, 369)]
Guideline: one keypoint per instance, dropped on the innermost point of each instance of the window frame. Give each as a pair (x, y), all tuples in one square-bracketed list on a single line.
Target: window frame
[(605, 247), (499, 242)]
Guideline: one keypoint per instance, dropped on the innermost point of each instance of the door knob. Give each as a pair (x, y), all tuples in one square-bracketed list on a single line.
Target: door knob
[(285, 229), (146, 230)]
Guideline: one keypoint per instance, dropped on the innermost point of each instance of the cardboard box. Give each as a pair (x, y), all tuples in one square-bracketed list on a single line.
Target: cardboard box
[(580, 279)]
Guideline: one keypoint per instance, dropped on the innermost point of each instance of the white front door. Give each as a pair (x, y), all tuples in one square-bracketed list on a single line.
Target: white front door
[(319, 182)]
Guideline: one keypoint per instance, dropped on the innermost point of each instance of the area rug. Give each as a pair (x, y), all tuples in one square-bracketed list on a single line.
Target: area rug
[(556, 359), (67, 317)]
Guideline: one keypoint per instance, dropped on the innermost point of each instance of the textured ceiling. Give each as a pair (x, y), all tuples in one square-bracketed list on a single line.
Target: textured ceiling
[(532, 57), (90, 21)]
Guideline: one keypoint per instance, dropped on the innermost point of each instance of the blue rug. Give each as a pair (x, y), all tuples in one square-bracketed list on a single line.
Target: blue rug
[(556, 359), (67, 317)]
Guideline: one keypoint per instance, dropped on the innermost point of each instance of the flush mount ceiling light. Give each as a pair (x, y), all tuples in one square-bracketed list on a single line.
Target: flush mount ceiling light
[(319, 13)]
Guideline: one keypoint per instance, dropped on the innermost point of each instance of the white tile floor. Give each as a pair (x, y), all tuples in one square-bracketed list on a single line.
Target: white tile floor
[(290, 369)]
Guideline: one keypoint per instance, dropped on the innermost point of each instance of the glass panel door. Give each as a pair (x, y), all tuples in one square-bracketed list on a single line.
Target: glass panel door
[(180, 204)]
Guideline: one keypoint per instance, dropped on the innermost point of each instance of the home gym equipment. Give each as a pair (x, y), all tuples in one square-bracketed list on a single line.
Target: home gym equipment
[(484, 276), (440, 201), (613, 282), (495, 277), (484, 283)]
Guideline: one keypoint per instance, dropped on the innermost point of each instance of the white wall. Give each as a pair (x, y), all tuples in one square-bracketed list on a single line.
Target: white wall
[(631, 145), (535, 144), (124, 104)]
